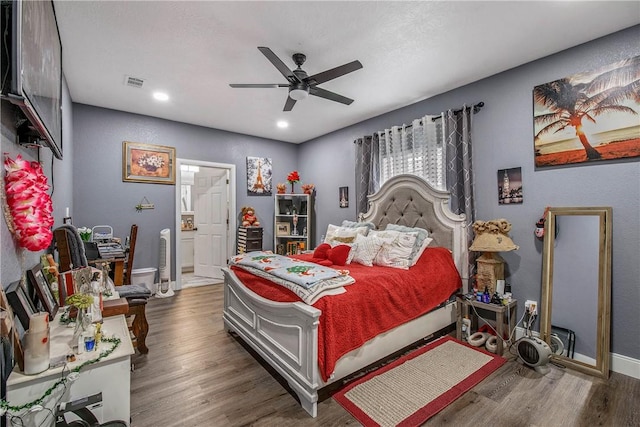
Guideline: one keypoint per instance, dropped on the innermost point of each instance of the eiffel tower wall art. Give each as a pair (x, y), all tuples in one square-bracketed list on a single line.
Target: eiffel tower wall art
[(259, 176)]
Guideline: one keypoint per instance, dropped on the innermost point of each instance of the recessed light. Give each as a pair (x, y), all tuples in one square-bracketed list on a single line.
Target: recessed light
[(161, 96), (282, 124)]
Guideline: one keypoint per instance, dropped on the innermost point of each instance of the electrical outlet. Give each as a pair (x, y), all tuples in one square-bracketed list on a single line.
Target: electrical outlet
[(531, 307)]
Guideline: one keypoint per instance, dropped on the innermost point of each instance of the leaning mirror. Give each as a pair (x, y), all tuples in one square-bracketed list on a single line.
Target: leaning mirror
[(576, 287)]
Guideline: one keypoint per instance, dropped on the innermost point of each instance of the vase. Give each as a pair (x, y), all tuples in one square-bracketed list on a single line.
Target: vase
[(292, 191)]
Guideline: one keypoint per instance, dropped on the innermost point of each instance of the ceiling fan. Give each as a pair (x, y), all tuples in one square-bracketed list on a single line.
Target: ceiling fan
[(300, 84)]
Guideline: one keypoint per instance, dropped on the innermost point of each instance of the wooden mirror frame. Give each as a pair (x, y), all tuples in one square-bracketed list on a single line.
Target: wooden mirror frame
[(603, 333)]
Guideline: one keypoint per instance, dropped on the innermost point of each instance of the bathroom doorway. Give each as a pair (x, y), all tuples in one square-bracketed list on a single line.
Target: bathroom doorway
[(205, 216)]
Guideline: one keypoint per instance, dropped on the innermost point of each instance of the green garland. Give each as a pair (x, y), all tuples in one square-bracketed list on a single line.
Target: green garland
[(7, 407)]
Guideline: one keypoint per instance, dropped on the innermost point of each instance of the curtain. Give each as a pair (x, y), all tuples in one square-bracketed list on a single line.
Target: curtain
[(367, 171), (457, 134), (416, 149)]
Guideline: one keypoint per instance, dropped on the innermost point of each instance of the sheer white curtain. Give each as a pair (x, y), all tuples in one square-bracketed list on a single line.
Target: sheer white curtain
[(416, 149)]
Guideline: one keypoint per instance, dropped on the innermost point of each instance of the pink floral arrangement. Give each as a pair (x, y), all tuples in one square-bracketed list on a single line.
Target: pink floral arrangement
[(29, 203), (282, 187)]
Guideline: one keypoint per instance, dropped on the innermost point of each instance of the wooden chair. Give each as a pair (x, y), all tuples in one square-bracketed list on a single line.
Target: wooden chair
[(136, 297), (133, 235)]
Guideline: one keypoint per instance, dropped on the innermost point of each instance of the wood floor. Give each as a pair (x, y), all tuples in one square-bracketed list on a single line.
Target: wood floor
[(196, 374)]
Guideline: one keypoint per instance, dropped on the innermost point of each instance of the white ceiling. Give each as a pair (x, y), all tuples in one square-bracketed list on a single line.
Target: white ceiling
[(409, 50)]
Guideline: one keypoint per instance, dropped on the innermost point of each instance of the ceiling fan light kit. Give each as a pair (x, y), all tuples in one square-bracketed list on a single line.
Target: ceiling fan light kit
[(300, 84), (299, 92)]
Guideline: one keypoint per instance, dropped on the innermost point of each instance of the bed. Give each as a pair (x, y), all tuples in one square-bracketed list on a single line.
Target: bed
[(285, 334)]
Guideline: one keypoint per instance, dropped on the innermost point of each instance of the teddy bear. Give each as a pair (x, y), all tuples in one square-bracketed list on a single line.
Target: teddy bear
[(249, 218)]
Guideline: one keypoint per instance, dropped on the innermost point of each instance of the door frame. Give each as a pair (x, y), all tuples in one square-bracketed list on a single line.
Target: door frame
[(231, 240)]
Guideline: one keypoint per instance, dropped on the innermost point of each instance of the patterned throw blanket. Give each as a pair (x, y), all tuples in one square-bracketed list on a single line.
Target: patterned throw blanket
[(308, 280)]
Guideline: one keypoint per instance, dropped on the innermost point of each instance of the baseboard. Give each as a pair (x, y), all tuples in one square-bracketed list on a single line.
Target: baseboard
[(621, 364), (625, 365)]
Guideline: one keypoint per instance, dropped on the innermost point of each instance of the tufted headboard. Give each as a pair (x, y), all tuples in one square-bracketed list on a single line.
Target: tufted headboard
[(409, 200)]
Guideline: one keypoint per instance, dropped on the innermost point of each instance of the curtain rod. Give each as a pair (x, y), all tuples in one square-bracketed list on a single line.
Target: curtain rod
[(476, 107)]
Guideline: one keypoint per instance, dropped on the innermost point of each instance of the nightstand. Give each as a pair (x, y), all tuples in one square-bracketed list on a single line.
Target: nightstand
[(465, 308)]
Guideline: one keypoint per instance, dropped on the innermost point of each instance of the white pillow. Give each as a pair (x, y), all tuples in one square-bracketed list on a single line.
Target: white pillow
[(365, 249), (343, 235), (420, 240), (396, 250), (420, 250)]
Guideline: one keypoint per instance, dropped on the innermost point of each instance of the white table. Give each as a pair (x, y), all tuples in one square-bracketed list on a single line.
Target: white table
[(111, 376)]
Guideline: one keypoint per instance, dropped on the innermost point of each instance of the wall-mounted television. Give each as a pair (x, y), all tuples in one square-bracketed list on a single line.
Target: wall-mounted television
[(32, 76)]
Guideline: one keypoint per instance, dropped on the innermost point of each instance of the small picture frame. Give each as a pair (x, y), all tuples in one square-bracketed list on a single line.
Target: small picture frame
[(283, 229), (43, 290), (20, 303), (510, 186), (343, 199)]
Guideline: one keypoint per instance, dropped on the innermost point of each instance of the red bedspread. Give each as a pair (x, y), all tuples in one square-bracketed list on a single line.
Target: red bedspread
[(381, 299)]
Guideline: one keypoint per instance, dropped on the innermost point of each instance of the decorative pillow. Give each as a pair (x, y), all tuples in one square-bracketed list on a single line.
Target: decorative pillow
[(425, 243), (321, 251), (326, 255), (343, 235), (365, 249), (338, 255), (422, 235), (353, 224), (396, 250)]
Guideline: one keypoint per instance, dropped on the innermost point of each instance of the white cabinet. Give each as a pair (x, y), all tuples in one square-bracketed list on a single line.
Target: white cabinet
[(110, 376), (187, 238), (293, 223)]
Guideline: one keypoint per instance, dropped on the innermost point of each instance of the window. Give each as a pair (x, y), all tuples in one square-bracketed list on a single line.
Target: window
[(416, 149)]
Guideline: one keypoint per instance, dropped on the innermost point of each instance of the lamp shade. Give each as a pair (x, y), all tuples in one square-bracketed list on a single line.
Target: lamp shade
[(491, 236)]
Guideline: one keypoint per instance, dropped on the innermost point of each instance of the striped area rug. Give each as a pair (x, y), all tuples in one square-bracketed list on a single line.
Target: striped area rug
[(410, 390)]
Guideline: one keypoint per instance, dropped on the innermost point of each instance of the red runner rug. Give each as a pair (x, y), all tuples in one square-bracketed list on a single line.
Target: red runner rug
[(410, 390)]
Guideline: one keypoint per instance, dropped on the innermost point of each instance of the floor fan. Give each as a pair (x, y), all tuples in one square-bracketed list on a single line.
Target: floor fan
[(164, 286)]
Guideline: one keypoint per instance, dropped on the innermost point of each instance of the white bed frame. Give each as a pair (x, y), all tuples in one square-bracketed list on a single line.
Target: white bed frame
[(285, 335)]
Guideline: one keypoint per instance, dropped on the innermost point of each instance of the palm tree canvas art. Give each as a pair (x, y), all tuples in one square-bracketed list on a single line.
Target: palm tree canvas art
[(589, 117)]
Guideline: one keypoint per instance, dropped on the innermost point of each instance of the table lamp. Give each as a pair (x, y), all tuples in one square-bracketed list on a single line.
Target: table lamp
[(491, 238)]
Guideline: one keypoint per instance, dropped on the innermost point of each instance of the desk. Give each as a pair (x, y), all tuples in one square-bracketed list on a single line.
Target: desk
[(499, 310), (111, 376)]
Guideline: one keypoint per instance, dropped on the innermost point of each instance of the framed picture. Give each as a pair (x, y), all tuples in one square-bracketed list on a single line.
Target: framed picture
[(43, 290), (588, 117), (259, 171), (283, 229), (154, 164), (343, 200), (510, 186), (20, 303)]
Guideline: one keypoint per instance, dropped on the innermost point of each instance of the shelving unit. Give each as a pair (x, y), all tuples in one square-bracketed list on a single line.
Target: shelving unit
[(293, 223)]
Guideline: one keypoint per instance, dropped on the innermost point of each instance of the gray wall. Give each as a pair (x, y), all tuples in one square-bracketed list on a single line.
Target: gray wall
[(13, 260), (503, 138), (102, 198)]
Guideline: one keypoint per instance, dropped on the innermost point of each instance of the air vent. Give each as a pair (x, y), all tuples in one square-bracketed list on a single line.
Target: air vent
[(133, 81)]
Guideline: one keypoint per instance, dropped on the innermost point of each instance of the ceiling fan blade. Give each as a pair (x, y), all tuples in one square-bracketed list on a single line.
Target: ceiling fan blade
[(277, 62), (258, 85), (288, 106), (333, 73), (323, 93)]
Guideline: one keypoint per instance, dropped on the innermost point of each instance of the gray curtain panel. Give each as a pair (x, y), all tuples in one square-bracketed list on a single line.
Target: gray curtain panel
[(457, 134), (367, 170)]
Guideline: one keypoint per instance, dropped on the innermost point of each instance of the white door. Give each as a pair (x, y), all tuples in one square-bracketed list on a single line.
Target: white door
[(211, 221)]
